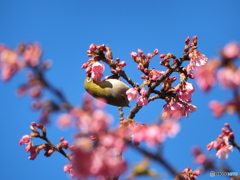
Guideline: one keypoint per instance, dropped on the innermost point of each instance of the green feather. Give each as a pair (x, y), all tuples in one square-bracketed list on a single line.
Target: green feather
[(112, 91)]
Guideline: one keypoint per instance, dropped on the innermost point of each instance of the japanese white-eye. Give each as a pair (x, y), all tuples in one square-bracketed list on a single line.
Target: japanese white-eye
[(112, 91)]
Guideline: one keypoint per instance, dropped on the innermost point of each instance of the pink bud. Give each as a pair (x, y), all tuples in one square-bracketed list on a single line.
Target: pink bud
[(149, 56), (140, 51), (140, 67), (84, 66), (144, 76), (133, 55), (224, 130), (118, 69), (34, 124), (62, 139), (92, 47), (187, 40), (146, 70), (162, 56), (117, 59), (191, 76), (194, 37), (93, 137), (162, 63), (155, 52), (40, 126), (227, 125), (122, 63), (64, 144)]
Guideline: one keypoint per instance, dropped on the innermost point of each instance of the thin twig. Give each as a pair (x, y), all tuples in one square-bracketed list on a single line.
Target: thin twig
[(156, 158)]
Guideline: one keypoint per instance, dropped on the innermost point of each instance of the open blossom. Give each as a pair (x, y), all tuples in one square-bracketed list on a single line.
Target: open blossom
[(222, 153), (155, 134), (9, 63), (217, 108), (94, 123), (231, 50), (206, 75), (25, 140), (185, 91), (142, 100), (101, 163), (175, 109), (97, 70), (32, 54), (221, 144), (69, 168), (132, 94), (64, 121), (133, 55), (229, 78), (197, 58)]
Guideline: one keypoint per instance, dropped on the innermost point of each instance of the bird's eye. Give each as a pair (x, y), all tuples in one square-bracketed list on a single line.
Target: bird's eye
[(89, 79)]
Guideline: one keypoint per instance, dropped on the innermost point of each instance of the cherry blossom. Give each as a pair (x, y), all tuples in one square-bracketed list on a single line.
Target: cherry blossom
[(97, 70), (132, 94)]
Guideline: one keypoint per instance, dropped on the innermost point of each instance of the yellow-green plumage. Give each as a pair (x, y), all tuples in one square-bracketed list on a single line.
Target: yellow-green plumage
[(112, 91)]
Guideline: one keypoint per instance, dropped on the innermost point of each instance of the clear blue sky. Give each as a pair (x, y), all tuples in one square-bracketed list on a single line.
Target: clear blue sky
[(65, 29)]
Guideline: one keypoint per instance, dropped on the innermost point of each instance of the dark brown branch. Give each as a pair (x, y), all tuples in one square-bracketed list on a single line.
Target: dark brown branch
[(56, 148), (156, 158), (121, 115)]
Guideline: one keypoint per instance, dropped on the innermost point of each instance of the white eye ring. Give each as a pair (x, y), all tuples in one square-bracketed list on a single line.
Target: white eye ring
[(89, 79)]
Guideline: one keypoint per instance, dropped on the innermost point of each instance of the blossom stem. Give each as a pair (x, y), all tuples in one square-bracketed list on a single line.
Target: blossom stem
[(156, 158)]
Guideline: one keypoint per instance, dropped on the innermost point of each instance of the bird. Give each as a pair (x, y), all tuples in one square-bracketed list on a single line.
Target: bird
[(110, 91)]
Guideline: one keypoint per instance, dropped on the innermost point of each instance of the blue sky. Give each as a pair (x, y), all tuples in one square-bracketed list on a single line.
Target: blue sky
[(65, 29)]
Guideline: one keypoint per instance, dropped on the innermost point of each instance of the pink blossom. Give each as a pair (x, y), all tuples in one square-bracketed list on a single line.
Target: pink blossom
[(229, 78), (69, 168), (112, 141), (156, 51), (142, 101), (210, 146), (94, 123), (33, 150), (32, 54), (231, 50), (152, 135), (25, 140), (149, 56), (8, 63), (197, 58), (92, 47), (222, 153), (101, 163), (64, 121), (189, 108), (217, 108), (140, 51), (64, 144), (132, 94), (170, 127), (206, 75), (122, 63), (187, 40), (97, 70), (175, 109), (185, 91), (133, 55)]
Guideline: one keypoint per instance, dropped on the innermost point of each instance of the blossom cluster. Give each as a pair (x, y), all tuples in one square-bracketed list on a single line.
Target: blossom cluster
[(225, 71), (223, 144), (35, 149), (98, 149)]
